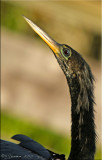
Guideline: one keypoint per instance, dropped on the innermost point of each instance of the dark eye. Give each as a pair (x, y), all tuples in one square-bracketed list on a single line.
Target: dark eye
[(66, 52)]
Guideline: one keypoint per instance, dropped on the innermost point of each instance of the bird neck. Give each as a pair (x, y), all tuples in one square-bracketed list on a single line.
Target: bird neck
[(82, 115)]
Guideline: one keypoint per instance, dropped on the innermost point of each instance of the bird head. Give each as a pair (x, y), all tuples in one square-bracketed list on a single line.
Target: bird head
[(69, 60)]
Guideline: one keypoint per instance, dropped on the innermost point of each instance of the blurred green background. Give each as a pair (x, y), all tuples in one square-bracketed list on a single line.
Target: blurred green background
[(35, 99)]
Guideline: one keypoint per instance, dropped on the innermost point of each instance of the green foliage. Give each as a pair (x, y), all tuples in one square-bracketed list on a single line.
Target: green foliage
[(11, 16), (11, 125)]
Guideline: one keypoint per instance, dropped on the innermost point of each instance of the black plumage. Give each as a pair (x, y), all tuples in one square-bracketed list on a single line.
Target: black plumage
[(27, 149), (80, 81)]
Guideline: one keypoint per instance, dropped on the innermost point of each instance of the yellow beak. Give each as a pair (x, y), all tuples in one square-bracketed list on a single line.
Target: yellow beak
[(48, 40)]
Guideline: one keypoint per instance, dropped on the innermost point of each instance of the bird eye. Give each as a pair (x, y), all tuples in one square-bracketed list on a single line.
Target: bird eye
[(67, 52)]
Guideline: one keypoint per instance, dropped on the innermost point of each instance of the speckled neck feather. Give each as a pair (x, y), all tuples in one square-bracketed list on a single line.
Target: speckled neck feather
[(82, 114)]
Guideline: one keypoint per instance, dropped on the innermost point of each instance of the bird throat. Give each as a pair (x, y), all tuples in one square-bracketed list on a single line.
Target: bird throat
[(82, 128)]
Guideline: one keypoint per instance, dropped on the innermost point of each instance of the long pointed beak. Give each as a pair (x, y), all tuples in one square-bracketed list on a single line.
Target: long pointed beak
[(50, 42)]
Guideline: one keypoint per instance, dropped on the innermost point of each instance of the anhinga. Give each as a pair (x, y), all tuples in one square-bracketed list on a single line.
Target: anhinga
[(80, 81)]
